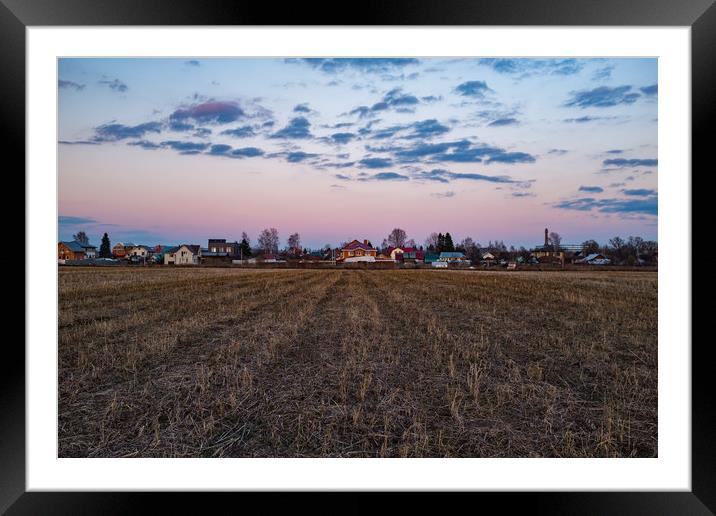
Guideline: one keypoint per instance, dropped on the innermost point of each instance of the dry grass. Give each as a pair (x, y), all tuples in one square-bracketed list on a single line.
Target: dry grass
[(230, 363)]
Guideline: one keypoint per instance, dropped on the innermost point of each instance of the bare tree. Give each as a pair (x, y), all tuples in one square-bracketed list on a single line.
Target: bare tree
[(397, 238), (432, 241), (555, 240), (294, 241), (411, 243), (590, 247), (470, 248), (268, 240), (81, 237)]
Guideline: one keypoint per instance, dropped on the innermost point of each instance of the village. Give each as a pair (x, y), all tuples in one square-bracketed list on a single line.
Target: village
[(395, 252)]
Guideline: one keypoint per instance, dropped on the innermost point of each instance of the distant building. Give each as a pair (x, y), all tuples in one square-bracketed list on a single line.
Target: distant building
[(121, 250), (405, 254), (184, 254), (356, 251), (594, 259), (139, 251), (394, 252), (75, 250), (453, 256), (430, 257), (411, 254), (221, 246)]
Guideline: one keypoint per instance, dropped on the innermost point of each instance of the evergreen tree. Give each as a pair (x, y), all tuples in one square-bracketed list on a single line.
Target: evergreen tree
[(105, 251), (441, 243), (245, 248), (449, 246)]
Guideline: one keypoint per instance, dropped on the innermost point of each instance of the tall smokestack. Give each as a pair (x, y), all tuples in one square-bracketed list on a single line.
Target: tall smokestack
[(546, 238)]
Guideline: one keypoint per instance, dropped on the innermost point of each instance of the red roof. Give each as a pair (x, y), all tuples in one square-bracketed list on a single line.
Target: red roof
[(355, 244)]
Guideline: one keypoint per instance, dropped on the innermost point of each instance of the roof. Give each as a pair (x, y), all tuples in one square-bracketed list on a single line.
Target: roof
[(452, 255), (75, 246), (195, 249), (87, 245), (355, 244), (594, 256)]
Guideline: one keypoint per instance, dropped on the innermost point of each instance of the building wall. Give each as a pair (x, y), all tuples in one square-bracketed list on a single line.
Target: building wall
[(65, 253), (184, 256)]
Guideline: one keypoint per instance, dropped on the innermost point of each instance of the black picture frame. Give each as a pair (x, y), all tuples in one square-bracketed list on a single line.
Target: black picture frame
[(16, 15)]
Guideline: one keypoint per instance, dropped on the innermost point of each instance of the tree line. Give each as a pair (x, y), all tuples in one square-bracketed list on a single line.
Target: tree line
[(630, 251)]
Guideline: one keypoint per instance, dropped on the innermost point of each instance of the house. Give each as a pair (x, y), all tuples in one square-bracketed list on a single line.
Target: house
[(595, 259), (138, 251), (430, 257), (185, 254), (294, 252), (75, 250), (356, 251), (394, 253), (222, 247), (403, 254), (413, 255), (453, 256), (121, 250)]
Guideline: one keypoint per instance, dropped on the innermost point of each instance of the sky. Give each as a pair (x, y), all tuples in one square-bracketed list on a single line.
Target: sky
[(156, 150)]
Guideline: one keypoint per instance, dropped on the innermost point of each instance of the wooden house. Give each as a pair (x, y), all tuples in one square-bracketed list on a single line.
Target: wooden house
[(75, 251), (356, 251)]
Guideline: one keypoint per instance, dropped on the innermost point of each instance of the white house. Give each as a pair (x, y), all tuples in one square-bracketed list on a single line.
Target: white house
[(595, 259), (184, 254), (142, 251)]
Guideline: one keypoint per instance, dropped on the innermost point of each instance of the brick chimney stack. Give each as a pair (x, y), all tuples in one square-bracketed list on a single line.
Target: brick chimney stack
[(365, 241), (546, 238)]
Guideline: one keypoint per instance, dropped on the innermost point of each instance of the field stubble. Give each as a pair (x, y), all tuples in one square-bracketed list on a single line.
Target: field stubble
[(227, 363)]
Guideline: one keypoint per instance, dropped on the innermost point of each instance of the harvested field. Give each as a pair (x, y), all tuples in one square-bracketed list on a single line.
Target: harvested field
[(172, 362)]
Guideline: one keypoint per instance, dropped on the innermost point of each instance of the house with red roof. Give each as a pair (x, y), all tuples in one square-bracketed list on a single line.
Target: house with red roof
[(402, 254), (356, 251)]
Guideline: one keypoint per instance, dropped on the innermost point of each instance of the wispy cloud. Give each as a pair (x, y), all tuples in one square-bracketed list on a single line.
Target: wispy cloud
[(443, 195), (65, 85), (474, 89), (524, 67), (212, 112), (591, 189), (603, 96), (114, 85), (114, 132), (647, 206), (623, 162), (297, 128), (370, 65)]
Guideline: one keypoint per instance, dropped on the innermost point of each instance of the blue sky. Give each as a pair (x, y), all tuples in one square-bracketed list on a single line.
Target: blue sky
[(181, 150)]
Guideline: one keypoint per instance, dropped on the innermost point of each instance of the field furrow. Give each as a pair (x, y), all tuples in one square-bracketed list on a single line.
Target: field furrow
[(356, 363)]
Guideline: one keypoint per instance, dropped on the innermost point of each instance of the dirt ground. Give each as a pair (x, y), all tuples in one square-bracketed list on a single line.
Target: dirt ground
[(181, 362)]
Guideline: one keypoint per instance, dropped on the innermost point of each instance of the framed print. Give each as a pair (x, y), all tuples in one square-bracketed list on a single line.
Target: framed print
[(415, 252)]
